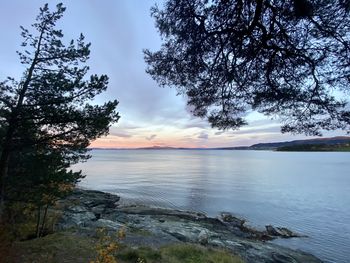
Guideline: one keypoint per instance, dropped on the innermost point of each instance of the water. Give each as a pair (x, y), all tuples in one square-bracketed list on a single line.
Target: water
[(306, 192)]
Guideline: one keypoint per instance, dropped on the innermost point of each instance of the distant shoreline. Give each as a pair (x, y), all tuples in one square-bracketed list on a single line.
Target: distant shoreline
[(332, 144)]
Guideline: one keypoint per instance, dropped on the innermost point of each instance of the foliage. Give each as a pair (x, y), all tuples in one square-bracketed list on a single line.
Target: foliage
[(38, 179), (315, 148), (47, 119), (107, 246), (287, 59)]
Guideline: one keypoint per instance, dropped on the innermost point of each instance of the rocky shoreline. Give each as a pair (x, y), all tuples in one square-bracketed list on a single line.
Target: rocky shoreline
[(88, 210)]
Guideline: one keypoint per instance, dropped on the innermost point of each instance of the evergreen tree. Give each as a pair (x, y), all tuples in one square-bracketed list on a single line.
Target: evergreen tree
[(38, 176), (288, 59), (50, 106)]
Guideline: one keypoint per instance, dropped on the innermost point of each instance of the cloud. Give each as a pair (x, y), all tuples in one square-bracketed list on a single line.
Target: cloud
[(273, 129), (203, 135), (119, 133), (195, 122), (122, 135), (151, 137), (219, 132)]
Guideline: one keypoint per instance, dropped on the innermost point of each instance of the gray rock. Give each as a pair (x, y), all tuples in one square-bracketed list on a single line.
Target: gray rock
[(229, 218), (76, 219), (91, 198), (92, 209), (77, 209), (108, 224), (203, 237), (281, 232), (98, 210)]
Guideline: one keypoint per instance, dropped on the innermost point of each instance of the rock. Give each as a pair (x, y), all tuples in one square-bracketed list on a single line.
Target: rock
[(271, 230), (179, 236), (217, 243), (98, 210), (92, 209), (281, 232), (76, 219), (283, 258), (203, 237), (91, 198), (108, 224), (77, 209), (229, 218)]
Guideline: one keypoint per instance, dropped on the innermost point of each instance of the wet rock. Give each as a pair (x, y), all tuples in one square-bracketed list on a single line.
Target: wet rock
[(279, 258), (91, 198), (229, 218), (281, 232)]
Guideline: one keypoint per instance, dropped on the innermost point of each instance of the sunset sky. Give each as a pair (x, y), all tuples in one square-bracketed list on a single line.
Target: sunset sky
[(150, 115)]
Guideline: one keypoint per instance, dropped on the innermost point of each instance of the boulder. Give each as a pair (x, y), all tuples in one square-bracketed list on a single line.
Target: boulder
[(98, 210), (281, 232), (76, 219), (232, 220), (203, 237)]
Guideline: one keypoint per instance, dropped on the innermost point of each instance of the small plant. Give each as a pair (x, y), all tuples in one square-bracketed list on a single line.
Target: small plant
[(107, 246)]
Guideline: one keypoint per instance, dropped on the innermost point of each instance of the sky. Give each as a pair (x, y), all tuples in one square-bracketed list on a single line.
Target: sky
[(150, 115)]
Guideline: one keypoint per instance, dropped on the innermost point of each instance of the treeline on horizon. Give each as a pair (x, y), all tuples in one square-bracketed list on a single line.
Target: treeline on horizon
[(345, 147)]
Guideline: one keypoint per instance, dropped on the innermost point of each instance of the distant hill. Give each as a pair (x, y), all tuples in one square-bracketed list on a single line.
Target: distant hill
[(339, 140), (328, 144)]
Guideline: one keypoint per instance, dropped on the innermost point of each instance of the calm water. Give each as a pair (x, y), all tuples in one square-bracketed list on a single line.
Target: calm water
[(306, 192)]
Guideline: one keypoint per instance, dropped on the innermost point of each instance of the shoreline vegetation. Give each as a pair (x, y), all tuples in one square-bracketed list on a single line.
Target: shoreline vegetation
[(315, 148), (152, 234)]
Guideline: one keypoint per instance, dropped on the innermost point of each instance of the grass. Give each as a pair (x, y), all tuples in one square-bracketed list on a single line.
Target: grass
[(71, 247), (58, 247), (185, 253), (177, 253)]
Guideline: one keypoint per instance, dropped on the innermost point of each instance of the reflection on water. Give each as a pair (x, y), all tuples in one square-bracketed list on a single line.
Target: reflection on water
[(307, 192)]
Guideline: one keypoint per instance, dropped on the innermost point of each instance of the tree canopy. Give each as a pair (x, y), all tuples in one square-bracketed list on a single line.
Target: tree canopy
[(49, 113), (286, 59)]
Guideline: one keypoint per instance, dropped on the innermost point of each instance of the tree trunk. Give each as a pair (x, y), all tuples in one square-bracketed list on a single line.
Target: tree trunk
[(44, 220), (38, 222), (4, 162), (13, 122)]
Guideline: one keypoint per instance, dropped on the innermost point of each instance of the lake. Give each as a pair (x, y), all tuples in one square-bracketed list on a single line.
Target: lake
[(308, 192)]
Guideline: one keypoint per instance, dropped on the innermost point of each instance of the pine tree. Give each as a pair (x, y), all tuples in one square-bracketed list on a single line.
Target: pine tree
[(286, 59), (51, 105)]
